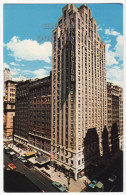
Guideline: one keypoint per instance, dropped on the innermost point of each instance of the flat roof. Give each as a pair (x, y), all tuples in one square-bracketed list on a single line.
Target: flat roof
[(30, 153), (43, 159)]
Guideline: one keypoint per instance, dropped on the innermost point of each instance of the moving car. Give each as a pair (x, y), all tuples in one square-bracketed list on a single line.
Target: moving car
[(110, 183), (112, 178), (59, 186), (12, 166)]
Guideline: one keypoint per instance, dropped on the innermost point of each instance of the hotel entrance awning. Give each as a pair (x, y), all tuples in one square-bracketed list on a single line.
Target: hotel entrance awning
[(30, 153)]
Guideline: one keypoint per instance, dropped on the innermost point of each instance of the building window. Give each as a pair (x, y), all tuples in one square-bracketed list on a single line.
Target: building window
[(78, 23), (94, 28)]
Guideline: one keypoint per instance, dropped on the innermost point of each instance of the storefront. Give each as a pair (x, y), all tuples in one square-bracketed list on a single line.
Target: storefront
[(80, 174)]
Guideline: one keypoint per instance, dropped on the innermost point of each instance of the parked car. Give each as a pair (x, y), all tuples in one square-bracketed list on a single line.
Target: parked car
[(12, 166), (95, 186), (59, 186), (22, 159), (110, 183), (13, 156), (17, 155), (7, 150), (28, 164), (95, 181)]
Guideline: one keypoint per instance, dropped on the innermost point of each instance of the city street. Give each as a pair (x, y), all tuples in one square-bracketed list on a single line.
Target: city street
[(75, 186), (63, 97), (32, 174), (113, 166)]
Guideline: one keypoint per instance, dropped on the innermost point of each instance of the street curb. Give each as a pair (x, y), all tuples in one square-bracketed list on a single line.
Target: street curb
[(43, 174), (46, 176), (36, 168)]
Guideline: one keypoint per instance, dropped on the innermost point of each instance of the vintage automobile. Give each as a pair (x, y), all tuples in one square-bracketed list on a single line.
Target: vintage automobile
[(12, 166), (59, 186)]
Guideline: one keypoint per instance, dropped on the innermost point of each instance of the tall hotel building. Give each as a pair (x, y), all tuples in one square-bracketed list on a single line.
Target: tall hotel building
[(79, 92)]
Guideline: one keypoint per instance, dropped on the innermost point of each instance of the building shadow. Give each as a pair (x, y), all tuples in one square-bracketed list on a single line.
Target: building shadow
[(114, 139), (98, 167), (105, 143), (91, 148)]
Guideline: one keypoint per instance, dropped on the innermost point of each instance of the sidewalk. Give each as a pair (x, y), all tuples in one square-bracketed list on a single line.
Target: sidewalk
[(16, 149), (75, 186)]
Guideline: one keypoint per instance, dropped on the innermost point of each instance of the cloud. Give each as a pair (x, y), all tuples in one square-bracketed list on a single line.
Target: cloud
[(29, 50), (17, 59), (99, 28), (111, 32), (5, 65), (27, 71), (15, 71), (110, 56), (47, 67), (107, 41), (119, 47), (14, 64), (20, 78), (115, 75), (40, 73), (114, 55)]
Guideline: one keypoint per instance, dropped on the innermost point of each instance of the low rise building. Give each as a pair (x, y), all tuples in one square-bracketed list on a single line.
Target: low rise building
[(9, 107)]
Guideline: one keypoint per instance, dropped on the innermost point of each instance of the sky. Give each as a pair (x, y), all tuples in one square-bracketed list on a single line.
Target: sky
[(28, 38)]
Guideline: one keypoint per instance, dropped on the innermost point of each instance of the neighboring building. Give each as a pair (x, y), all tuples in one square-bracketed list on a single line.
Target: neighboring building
[(121, 117), (115, 110), (9, 107), (33, 114), (79, 91), (22, 111), (7, 74)]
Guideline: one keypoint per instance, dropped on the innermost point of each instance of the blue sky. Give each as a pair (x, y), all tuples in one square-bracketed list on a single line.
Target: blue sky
[(28, 38)]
